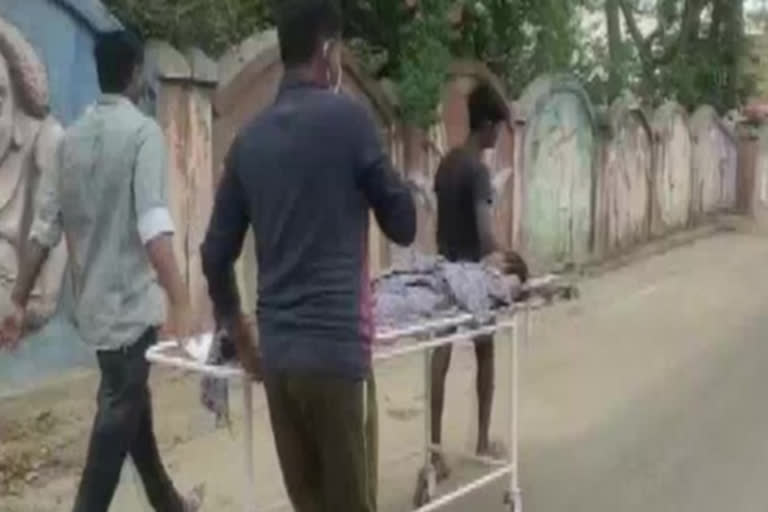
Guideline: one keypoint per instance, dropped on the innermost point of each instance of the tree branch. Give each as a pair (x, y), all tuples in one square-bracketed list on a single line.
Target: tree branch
[(615, 46), (691, 14), (718, 11), (643, 47)]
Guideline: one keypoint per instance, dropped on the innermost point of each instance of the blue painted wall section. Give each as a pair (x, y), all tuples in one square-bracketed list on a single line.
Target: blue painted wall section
[(62, 32)]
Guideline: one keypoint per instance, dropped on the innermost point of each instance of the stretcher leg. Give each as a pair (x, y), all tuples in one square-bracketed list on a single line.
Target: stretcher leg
[(426, 482), (249, 502), (513, 497)]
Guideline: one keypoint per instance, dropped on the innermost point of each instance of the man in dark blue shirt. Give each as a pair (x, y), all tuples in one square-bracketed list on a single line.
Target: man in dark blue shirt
[(304, 175)]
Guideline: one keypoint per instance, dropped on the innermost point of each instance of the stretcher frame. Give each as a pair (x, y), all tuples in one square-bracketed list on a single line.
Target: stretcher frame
[(432, 335)]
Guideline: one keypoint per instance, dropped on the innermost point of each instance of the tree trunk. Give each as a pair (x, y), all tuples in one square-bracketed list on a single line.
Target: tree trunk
[(615, 48), (733, 43)]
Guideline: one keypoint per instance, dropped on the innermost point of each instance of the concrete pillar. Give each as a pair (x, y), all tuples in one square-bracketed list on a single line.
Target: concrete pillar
[(185, 84)]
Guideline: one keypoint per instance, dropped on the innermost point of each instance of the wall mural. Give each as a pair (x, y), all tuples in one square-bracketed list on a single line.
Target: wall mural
[(28, 142)]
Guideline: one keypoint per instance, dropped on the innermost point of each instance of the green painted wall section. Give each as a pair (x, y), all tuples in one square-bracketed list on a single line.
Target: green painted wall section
[(558, 185)]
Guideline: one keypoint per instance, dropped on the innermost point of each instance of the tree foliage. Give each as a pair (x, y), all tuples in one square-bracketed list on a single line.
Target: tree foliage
[(212, 25), (692, 50), (415, 41), (521, 39), (410, 42)]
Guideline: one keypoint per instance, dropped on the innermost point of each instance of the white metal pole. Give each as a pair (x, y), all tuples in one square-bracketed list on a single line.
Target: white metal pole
[(429, 471), (522, 325), (250, 478), (511, 409), (464, 490)]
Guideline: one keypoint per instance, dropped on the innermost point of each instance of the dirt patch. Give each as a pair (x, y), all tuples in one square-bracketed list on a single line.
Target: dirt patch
[(20, 462), (44, 433)]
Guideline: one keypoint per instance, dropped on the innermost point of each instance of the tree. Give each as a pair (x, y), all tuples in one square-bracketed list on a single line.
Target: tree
[(413, 42), (671, 54), (407, 42), (410, 42), (213, 25), (521, 39), (615, 47)]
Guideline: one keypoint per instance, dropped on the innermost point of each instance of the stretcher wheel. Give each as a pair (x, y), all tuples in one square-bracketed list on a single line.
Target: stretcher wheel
[(424, 488)]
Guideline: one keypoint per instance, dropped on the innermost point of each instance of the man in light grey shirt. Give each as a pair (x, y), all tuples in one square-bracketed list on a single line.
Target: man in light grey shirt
[(108, 198)]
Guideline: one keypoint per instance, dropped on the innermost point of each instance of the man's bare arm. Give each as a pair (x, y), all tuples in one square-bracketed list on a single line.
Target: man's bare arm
[(12, 326), (163, 260), (155, 225), (508, 262), (32, 261)]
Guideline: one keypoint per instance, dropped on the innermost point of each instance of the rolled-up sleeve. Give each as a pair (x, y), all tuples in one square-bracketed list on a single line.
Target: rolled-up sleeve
[(224, 241), (150, 184), (46, 227)]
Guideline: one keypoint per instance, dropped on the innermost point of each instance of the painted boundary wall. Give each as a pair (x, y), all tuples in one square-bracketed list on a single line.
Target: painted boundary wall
[(180, 94), (60, 34), (752, 176), (574, 184), (183, 85)]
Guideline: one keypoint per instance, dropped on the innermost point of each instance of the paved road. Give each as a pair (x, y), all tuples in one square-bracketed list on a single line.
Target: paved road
[(650, 395), (646, 395)]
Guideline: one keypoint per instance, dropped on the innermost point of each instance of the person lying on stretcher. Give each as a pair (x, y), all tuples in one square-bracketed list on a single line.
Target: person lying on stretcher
[(465, 233)]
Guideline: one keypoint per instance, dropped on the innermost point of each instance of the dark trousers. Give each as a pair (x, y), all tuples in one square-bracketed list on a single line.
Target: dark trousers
[(325, 431), (122, 427)]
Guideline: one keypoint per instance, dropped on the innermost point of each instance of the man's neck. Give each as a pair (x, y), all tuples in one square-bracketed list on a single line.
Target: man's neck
[(116, 97), (302, 74), (473, 146)]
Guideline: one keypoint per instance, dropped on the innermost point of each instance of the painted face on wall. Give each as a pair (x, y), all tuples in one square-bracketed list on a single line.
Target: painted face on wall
[(6, 109)]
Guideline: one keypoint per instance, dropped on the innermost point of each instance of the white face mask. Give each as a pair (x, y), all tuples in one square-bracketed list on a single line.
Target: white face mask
[(339, 67)]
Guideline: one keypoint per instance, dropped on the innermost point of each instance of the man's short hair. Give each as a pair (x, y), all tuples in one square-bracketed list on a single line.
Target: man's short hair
[(486, 106), (117, 54), (302, 25)]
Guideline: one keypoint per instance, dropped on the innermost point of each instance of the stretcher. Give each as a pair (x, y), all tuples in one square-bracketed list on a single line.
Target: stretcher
[(420, 339)]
